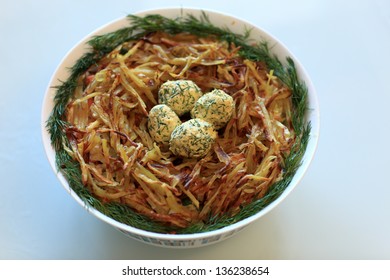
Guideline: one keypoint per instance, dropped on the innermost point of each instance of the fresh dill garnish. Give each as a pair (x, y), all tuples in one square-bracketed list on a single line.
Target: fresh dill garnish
[(202, 27)]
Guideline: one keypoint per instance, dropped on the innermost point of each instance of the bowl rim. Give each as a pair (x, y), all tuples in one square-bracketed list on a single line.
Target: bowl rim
[(313, 116)]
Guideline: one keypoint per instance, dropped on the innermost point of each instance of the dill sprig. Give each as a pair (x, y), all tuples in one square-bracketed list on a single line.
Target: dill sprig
[(202, 27)]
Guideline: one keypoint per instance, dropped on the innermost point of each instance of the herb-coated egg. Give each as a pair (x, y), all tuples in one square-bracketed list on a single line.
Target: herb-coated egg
[(193, 138), (162, 121), (216, 107), (179, 95)]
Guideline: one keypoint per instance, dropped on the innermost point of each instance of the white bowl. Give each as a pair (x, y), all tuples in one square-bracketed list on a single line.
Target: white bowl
[(197, 239)]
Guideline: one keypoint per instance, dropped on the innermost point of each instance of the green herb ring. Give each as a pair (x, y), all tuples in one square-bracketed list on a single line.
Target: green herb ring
[(139, 26)]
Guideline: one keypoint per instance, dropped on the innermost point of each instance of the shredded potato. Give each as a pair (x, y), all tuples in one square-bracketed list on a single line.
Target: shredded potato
[(119, 161)]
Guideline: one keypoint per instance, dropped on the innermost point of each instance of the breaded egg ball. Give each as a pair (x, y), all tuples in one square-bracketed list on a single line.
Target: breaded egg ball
[(180, 95), (162, 121), (192, 139), (216, 107)]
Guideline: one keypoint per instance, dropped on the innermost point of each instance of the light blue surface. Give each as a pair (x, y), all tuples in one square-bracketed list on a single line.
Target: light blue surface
[(340, 210)]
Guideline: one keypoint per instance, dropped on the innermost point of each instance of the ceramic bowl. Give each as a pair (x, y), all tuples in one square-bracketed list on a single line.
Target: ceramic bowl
[(236, 25)]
